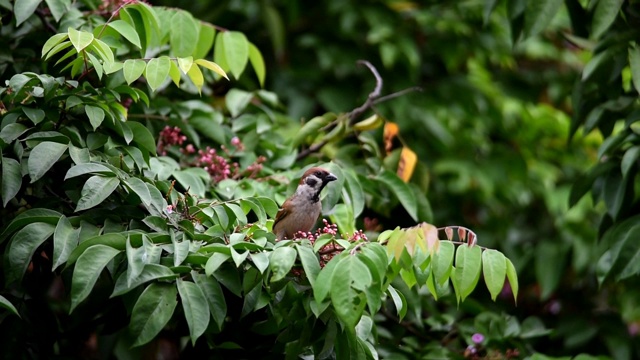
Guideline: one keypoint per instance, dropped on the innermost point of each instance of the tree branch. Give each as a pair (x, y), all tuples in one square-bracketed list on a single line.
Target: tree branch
[(353, 115)]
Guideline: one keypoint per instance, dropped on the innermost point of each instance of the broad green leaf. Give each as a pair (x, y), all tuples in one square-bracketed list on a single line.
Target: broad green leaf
[(31, 216), (65, 239), (149, 272), (402, 191), (399, 301), (237, 212), (355, 192), (183, 34), (634, 64), (152, 312), (190, 180), (185, 63), (468, 268), (8, 305), (512, 276), (23, 9), (282, 259), (157, 71), (604, 15), (135, 262), (174, 73), (205, 40), (213, 67), (215, 261), (350, 280), (629, 159), (195, 306), (257, 62), (88, 168), (214, 296), (126, 30), (236, 51), (142, 136), (87, 270), (196, 77), (133, 69), (52, 42), (180, 251), (43, 156), (260, 260), (80, 39), (255, 205), (23, 245), (97, 65), (494, 269), (442, 261), (114, 240), (12, 131), (323, 282), (35, 115), (11, 179), (538, 15), (310, 262), (95, 191), (312, 127), (58, 8), (95, 114), (103, 50)]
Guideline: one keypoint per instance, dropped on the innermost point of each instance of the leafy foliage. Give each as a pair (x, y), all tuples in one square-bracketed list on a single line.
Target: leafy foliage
[(138, 211)]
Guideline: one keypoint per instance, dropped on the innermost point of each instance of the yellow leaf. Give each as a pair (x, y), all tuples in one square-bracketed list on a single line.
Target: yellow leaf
[(370, 123), (196, 76), (391, 130), (407, 164), (212, 66)]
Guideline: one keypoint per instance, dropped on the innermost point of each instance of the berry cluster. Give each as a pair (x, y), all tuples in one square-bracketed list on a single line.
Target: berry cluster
[(328, 251), (217, 163)]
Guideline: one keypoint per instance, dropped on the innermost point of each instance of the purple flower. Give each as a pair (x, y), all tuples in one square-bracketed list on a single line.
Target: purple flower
[(477, 338)]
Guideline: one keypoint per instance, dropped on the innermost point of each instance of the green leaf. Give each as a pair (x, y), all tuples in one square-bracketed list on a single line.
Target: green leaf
[(97, 65), (65, 239), (354, 190), (494, 269), (133, 69), (87, 270), (126, 30), (634, 64), (604, 15), (236, 51), (11, 179), (149, 272), (257, 62), (215, 261), (58, 8), (214, 297), (323, 282), (8, 305), (180, 251), (31, 216), (260, 260), (80, 39), (350, 280), (629, 159), (95, 114), (52, 42), (468, 268), (23, 245), (310, 262), (539, 14), (189, 179), (12, 131), (237, 211), (213, 67), (255, 205), (196, 308), (402, 191), (512, 276), (205, 40), (442, 261), (282, 259), (96, 190), (88, 168), (183, 34), (185, 63), (312, 127), (196, 77), (152, 312), (43, 156), (35, 115), (399, 301), (23, 9), (157, 71), (142, 136)]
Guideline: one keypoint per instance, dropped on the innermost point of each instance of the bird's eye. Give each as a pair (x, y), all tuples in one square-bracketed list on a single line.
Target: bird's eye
[(318, 173)]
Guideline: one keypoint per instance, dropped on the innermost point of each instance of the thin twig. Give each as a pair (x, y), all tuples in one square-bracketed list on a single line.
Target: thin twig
[(46, 22), (311, 149), (353, 115), (396, 94)]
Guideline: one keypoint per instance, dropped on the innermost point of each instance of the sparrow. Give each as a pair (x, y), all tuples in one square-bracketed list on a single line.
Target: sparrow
[(301, 211)]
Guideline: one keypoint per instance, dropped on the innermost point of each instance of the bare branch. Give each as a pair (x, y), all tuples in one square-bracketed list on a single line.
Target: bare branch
[(310, 150), (353, 115), (396, 94)]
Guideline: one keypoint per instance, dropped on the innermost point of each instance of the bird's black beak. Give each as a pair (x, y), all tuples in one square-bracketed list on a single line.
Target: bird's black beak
[(330, 177)]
